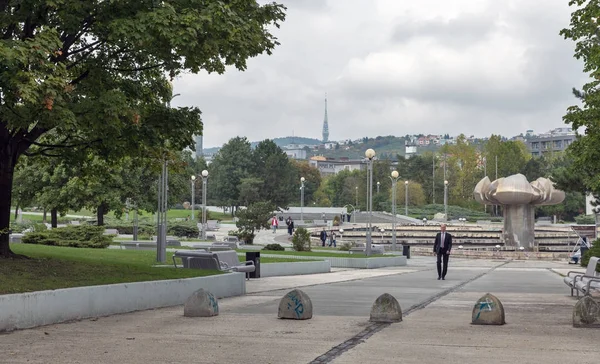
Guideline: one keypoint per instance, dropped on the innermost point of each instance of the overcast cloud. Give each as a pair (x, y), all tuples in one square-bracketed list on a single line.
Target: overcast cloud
[(393, 67)]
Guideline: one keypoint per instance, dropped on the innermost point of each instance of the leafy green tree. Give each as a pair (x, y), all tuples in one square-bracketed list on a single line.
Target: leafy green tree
[(273, 166), (583, 30), (253, 218), (512, 156), (312, 179), (230, 165), (93, 74)]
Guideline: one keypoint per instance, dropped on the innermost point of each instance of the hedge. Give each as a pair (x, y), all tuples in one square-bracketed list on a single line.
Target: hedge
[(81, 236)]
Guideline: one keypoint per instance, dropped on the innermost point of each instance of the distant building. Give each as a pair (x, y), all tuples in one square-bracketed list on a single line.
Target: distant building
[(325, 125), (410, 148), (329, 167), (295, 152), (556, 140)]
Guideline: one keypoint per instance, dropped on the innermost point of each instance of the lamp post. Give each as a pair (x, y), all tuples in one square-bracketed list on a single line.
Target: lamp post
[(370, 154), (356, 189), (302, 179), (406, 198), (394, 177), (193, 196), (378, 184), (204, 181), (446, 199)]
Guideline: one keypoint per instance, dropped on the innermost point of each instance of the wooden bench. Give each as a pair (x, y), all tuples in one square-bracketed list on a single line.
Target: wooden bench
[(584, 282)]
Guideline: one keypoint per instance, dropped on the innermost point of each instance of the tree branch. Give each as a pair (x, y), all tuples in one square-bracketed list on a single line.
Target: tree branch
[(135, 69)]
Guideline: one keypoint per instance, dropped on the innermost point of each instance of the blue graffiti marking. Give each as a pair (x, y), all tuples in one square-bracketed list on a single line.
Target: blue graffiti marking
[(299, 307), (484, 306)]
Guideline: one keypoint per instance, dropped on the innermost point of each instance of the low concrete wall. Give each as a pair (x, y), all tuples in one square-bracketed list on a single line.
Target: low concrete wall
[(25, 310), (294, 268), (367, 263), (502, 254)]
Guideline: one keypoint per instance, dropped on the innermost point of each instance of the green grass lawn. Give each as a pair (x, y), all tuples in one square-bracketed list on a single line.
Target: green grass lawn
[(62, 267), (171, 214)]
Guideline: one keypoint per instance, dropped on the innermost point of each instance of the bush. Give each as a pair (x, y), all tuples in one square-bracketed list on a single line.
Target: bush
[(39, 227), (19, 228), (585, 219), (593, 252), (346, 246), (82, 236), (184, 230), (336, 220), (301, 240), (276, 247)]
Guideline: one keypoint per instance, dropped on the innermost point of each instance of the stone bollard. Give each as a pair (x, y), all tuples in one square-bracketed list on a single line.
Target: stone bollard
[(488, 310), (201, 304), (295, 305), (586, 313), (386, 309)]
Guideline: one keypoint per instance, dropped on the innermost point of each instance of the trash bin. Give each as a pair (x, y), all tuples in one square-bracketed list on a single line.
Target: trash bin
[(406, 251), (255, 257)]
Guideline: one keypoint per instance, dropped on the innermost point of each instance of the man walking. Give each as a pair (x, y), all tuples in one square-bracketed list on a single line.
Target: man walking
[(442, 247), (323, 237)]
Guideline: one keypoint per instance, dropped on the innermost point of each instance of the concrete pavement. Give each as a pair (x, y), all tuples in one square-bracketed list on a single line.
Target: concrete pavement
[(437, 327)]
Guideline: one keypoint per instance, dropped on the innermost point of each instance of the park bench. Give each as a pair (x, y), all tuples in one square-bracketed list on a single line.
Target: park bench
[(223, 260), (212, 225), (583, 282), (15, 238)]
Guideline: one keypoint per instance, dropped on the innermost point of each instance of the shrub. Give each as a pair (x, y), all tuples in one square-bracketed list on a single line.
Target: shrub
[(336, 220), (19, 228), (594, 251), (346, 246), (82, 236), (585, 219), (184, 230), (301, 240), (39, 227), (145, 229), (273, 247)]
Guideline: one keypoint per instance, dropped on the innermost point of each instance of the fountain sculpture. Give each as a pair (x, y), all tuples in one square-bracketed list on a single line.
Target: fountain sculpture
[(518, 199)]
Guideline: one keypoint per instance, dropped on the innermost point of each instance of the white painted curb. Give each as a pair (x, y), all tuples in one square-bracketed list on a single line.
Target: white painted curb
[(26, 310), (294, 268)]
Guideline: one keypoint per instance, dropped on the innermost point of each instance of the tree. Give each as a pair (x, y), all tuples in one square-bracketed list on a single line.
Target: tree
[(583, 30), (312, 179), (273, 166), (416, 196), (255, 217), (230, 165), (93, 74)]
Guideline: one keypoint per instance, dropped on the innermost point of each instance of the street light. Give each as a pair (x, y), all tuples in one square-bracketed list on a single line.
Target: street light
[(193, 196), (302, 179), (370, 154), (204, 180), (406, 198), (356, 188), (378, 186), (394, 177), (446, 199)]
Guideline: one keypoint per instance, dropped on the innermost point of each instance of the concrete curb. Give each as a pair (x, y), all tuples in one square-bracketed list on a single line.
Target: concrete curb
[(26, 310)]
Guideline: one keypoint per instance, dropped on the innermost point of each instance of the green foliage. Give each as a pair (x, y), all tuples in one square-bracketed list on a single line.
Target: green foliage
[(346, 246), (336, 220), (145, 229), (274, 247), (585, 219), (19, 228), (594, 251), (583, 30), (38, 227), (301, 240), (184, 230), (73, 236), (255, 217)]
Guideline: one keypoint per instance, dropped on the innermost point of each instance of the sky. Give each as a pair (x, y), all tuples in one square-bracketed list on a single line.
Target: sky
[(397, 67)]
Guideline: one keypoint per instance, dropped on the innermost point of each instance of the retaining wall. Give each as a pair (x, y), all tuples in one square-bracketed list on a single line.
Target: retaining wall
[(25, 310), (294, 268)]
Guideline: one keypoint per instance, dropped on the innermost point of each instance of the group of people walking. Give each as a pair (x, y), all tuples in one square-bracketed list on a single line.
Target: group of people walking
[(331, 237), (289, 222)]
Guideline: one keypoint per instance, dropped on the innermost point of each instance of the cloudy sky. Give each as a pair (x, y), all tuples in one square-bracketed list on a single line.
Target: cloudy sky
[(397, 67)]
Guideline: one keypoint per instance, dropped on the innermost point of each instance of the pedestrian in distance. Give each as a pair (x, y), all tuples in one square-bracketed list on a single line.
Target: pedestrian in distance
[(442, 247), (323, 237), (274, 224), (332, 239)]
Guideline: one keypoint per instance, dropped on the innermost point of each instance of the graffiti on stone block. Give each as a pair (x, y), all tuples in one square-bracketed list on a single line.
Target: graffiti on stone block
[(295, 303), (213, 302), (484, 306)]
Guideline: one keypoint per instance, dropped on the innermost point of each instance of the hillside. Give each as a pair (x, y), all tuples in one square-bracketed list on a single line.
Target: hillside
[(281, 142)]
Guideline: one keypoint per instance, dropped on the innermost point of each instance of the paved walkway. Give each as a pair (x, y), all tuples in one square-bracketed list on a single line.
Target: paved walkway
[(436, 326)]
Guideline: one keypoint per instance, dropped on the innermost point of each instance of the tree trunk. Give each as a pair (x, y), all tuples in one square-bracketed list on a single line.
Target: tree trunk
[(17, 212), (44, 219), (100, 214), (8, 160), (54, 218)]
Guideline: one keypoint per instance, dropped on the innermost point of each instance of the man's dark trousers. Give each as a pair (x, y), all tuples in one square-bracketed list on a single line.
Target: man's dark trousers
[(442, 257)]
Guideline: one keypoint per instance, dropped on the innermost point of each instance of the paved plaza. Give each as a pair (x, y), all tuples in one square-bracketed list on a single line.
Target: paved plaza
[(436, 326)]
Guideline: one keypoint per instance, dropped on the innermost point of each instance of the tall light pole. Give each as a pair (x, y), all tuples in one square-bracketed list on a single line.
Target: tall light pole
[(302, 198), (204, 181), (378, 184), (161, 215), (406, 198), (446, 199), (370, 154), (433, 181), (193, 196), (394, 177), (356, 189)]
